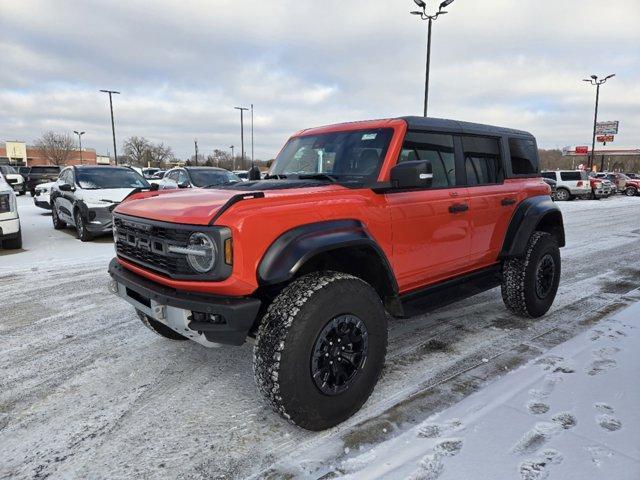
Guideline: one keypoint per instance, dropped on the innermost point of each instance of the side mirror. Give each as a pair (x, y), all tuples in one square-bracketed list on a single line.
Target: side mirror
[(413, 174), (65, 187)]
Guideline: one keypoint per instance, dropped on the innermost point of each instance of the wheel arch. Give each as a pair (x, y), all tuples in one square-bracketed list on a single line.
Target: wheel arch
[(339, 245), (538, 213)]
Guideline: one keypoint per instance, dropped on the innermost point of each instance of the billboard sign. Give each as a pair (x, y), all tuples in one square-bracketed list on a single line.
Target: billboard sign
[(604, 138), (583, 150), (607, 128)]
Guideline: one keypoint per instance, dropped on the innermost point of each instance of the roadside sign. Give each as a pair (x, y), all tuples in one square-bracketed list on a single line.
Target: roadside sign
[(607, 128), (604, 138), (582, 150)]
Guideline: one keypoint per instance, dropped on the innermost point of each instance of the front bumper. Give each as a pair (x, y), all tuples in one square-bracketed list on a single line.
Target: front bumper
[(99, 220), (177, 309), (42, 200), (9, 228)]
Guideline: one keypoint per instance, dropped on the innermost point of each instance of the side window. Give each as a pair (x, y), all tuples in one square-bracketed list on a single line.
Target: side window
[(436, 148), (524, 156), (549, 175), (173, 175), (182, 177), (570, 176), (482, 160), (67, 177)]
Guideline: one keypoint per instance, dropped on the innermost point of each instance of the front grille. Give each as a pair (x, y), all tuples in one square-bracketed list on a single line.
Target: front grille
[(147, 245)]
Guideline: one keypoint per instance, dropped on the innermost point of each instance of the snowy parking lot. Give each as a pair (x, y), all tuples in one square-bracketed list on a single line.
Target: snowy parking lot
[(87, 391)]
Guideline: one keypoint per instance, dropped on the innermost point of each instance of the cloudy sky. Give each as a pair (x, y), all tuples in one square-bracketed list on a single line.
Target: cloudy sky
[(183, 65)]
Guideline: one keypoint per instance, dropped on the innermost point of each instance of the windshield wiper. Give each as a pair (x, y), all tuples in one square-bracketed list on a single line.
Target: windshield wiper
[(275, 176), (318, 176)]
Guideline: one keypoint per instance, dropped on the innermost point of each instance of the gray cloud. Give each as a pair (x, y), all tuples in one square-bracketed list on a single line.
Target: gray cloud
[(183, 66)]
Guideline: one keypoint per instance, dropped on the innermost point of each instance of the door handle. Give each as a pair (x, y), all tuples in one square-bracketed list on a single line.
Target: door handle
[(458, 208), (507, 202)]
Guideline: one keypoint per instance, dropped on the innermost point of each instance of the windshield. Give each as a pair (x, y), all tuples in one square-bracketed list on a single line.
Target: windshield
[(101, 177), (45, 170), (7, 169), (203, 177), (354, 156)]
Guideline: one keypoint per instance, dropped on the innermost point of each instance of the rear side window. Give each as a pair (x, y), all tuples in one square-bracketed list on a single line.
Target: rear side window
[(524, 156), (549, 175), (482, 160), (436, 148), (571, 176)]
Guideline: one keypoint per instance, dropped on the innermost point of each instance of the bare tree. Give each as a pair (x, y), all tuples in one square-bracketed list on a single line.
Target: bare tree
[(137, 150), (219, 158), (160, 154), (56, 147)]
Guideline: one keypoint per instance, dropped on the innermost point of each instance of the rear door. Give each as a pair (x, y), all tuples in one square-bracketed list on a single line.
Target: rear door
[(492, 200), (576, 181), (431, 230)]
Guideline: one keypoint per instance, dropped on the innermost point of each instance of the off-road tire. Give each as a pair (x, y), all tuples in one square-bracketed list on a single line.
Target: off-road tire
[(159, 328), (81, 229), (57, 223), (519, 277), (631, 192), (563, 195), (286, 338), (14, 243)]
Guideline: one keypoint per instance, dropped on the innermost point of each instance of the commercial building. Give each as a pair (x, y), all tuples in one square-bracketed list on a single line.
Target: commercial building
[(20, 154)]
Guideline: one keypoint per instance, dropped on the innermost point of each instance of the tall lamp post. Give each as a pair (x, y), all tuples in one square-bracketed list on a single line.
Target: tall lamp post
[(593, 80), (113, 128), (233, 159), (252, 135), (424, 16), (242, 110), (195, 141), (80, 143)]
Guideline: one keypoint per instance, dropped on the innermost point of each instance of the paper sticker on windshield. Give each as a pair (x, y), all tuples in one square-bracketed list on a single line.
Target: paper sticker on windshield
[(369, 136)]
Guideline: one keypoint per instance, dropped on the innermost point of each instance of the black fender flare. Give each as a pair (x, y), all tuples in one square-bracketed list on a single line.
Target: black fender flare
[(289, 252), (534, 213)]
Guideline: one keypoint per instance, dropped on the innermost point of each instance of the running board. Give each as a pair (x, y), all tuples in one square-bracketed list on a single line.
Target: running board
[(451, 291)]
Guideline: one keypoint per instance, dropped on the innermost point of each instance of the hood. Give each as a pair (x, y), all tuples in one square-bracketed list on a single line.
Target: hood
[(46, 185), (198, 206), (106, 195)]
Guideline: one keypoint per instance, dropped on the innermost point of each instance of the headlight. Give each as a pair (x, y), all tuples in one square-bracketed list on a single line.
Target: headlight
[(5, 202), (202, 252)]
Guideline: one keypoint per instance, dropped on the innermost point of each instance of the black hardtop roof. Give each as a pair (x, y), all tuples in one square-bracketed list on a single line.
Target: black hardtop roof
[(457, 126)]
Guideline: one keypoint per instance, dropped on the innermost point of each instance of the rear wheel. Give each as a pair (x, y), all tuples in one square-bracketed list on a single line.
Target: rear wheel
[(631, 192), (562, 195), (14, 243), (81, 229), (320, 349), (530, 282), (159, 328)]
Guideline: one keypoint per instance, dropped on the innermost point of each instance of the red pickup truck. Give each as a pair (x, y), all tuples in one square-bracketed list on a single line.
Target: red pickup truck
[(354, 221)]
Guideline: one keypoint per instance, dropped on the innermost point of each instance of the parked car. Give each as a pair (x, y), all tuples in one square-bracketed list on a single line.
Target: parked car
[(42, 195), (41, 174), (243, 174), (84, 197), (149, 172), (600, 188), (631, 185), (633, 176), (197, 177), (10, 231), (553, 184), (356, 220), (14, 179), (619, 180), (570, 183)]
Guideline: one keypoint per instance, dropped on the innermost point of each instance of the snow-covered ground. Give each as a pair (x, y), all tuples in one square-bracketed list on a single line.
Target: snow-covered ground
[(87, 391)]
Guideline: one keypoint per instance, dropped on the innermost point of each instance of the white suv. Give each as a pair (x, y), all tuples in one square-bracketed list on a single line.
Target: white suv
[(10, 234), (570, 183)]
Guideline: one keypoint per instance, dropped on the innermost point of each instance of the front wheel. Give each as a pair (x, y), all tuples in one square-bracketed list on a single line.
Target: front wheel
[(81, 229), (530, 282), (631, 192), (57, 223), (320, 349)]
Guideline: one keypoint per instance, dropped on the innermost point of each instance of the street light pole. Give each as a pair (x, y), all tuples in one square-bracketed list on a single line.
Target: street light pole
[(195, 141), (594, 81), (424, 16), (233, 159), (252, 160), (113, 128), (80, 143), (242, 110)]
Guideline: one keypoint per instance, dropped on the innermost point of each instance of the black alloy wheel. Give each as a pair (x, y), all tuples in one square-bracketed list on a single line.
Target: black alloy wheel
[(339, 353), (545, 275)]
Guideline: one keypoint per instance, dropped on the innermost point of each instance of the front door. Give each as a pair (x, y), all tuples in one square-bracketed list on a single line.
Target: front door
[(431, 227), (64, 200)]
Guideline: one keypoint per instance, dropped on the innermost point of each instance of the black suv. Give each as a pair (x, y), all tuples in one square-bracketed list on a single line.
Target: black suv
[(41, 174)]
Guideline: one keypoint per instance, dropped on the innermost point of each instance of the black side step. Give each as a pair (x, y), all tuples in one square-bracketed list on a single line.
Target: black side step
[(451, 291), (232, 201)]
